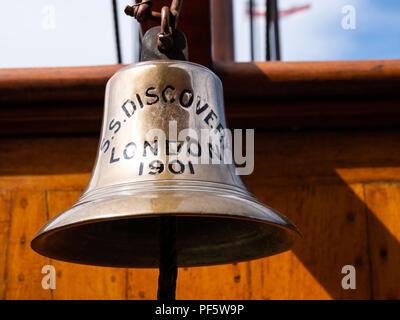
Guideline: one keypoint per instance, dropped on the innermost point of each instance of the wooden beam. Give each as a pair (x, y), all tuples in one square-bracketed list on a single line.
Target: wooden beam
[(309, 79), (241, 80), (257, 95), (222, 30), (54, 84)]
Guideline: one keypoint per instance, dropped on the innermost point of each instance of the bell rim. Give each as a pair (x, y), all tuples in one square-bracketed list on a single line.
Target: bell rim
[(286, 228), (209, 189), (292, 228), (292, 233)]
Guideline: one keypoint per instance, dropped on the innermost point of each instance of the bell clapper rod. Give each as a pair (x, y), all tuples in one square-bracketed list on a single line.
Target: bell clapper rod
[(168, 269)]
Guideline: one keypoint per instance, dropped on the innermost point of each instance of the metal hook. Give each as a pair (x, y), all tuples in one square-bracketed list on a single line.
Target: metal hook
[(169, 19), (165, 39)]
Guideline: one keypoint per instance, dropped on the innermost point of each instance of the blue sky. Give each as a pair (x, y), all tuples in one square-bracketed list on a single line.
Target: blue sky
[(378, 34), (43, 33), (40, 33), (317, 33)]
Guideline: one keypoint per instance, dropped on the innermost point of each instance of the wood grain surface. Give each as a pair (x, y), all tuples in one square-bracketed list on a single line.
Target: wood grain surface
[(339, 187)]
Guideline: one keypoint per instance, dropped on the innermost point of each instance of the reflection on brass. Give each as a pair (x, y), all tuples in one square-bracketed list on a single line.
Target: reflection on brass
[(137, 179)]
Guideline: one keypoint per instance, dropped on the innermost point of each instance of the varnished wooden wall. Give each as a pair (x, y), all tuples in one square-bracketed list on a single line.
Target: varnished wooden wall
[(341, 188)]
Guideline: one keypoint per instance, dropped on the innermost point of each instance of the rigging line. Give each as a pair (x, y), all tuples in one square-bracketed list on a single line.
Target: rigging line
[(116, 29), (268, 13), (251, 10), (276, 30), (272, 24)]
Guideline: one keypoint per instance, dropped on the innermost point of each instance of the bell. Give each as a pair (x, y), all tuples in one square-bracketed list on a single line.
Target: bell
[(140, 176)]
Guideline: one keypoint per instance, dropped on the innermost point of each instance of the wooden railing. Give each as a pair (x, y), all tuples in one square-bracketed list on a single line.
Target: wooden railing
[(257, 95)]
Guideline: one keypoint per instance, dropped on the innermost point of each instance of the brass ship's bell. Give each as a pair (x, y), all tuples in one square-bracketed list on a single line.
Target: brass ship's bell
[(139, 177)]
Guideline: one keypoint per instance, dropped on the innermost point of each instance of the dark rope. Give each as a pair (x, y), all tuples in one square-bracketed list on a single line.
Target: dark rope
[(116, 29), (272, 18), (168, 262), (251, 10)]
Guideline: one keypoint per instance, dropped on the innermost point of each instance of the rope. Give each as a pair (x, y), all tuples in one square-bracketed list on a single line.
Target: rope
[(168, 262), (116, 29)]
